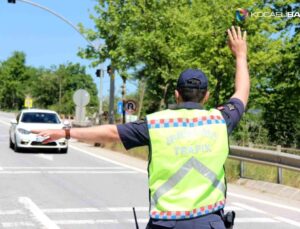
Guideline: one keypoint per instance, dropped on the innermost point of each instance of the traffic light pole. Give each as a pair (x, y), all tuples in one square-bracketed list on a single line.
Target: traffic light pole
[(100, 74), (111, 115), (123, 99)]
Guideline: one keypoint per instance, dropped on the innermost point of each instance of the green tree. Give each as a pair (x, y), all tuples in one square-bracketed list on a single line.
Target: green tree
[(13, 74), (158, 39), (50, 88), (55, 87)]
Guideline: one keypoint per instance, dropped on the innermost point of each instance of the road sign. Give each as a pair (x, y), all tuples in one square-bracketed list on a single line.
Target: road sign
[(120, 107), (81, 97), (28, 102), (130, 106), (131, 118)]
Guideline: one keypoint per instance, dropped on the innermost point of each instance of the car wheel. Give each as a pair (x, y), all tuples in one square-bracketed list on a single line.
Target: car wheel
[(11, 144), (63, 150), (16, 147)]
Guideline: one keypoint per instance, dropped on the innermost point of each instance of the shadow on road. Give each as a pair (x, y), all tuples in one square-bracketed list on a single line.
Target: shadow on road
[(37, 151)]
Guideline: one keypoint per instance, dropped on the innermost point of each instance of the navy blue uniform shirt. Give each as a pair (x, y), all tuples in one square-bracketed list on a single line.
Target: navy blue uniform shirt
[(136, 134)]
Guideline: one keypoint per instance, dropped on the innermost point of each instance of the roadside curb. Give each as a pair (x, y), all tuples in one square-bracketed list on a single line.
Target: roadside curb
[(276, 189)]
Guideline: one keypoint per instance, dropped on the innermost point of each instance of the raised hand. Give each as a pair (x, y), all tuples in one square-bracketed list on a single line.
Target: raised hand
[(237, 42)]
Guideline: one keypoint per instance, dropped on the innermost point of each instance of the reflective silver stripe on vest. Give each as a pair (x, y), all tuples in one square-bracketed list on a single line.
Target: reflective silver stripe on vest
[(180, 174)]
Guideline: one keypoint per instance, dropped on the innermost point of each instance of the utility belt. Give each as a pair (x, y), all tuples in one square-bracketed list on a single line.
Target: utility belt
[(228, 219)]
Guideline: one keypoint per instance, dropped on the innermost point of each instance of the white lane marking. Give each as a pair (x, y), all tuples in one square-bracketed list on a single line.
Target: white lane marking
[(282, 219), (45, 156), (289, 221), (249, 208), (94, 210), (37, 213), (72, 210), (108, 160), (91, 172), (233, 208), (127, 209), (139, 220), (67, 172), (11, 212), (1, 168), (5, 123), (256, 220), (87, 221), (19, 172), (263, 201), (62, 168), (17, 224)]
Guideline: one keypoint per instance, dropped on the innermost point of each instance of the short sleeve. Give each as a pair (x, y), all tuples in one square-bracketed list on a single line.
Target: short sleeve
[(134, 134), (232, 112)]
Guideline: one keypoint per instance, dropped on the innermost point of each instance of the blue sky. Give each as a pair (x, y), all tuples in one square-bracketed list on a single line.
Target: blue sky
[(46, 39)]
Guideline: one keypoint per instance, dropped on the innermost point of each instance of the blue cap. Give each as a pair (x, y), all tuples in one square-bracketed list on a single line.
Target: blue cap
[(192, 78)]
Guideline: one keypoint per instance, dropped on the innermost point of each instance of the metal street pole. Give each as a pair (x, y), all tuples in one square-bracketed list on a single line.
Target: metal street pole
[(101, 96), (124, 98), (111, 115), (59, 94)]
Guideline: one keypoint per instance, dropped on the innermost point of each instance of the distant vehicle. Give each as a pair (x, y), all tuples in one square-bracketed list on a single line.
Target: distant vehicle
[(20, 135)]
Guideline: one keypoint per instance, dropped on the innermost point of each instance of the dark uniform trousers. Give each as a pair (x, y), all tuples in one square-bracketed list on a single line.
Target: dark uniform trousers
[(211, 221)]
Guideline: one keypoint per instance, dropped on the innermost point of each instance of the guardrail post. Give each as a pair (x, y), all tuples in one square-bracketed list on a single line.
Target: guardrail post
[(242, 164), (279, 170), (242, 168)]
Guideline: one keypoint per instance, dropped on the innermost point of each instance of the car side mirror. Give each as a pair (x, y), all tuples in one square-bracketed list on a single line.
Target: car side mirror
[(13, 121)]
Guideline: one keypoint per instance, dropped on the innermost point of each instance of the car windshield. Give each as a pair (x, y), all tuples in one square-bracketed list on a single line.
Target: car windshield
[(40, 117)]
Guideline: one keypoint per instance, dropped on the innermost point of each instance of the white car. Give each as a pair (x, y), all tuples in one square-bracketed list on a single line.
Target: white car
[(20, 135)]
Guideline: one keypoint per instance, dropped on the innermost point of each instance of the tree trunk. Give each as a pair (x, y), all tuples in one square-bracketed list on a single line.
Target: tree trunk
[(143, 88), (217, 90), (162, 104)]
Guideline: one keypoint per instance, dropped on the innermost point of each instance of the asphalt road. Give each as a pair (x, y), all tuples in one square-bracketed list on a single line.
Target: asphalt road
[(88, 188)]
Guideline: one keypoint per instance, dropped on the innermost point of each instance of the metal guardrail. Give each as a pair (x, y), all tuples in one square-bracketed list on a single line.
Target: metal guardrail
[(265, 157), (273, 147)]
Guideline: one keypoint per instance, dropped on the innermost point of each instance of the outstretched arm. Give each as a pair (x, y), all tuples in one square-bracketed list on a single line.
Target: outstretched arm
[(104, 133), (238, 45)]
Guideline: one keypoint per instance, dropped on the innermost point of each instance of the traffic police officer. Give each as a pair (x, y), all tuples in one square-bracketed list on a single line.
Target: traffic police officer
[(188, 147)]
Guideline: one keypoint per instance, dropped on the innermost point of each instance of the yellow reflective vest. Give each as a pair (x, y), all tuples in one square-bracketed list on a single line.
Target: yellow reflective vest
[(186, 174)]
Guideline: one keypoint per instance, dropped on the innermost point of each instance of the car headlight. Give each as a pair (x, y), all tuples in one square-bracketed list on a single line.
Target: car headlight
[(23, 131)]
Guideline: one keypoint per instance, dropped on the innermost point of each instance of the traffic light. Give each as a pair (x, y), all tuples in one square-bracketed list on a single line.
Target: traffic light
[(11, 1), (98, 72), (109, 69)]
